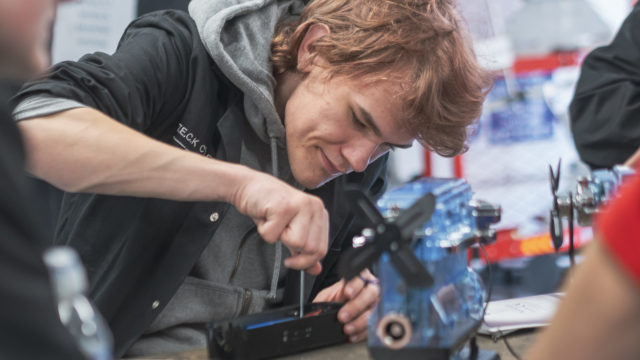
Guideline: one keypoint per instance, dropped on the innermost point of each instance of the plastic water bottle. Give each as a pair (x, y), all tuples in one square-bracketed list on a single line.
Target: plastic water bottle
[(76, 312)]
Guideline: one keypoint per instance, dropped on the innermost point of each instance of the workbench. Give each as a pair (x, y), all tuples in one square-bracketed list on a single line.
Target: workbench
[(519, 342)]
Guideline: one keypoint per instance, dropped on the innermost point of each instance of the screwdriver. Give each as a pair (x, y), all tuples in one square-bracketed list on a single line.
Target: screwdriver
[(301, 293)]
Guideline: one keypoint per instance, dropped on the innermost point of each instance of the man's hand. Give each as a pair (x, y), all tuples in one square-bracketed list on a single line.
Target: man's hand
[(284, 213), (360, 296), (118, 160)]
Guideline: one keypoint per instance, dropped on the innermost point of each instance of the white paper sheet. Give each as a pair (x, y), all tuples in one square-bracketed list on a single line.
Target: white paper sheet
[(504, 316)]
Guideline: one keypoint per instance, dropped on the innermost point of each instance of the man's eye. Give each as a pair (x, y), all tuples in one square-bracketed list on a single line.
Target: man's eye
[(357, 121)]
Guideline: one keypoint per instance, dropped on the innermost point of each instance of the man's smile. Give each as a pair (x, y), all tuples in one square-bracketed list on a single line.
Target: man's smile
[(328, 165)]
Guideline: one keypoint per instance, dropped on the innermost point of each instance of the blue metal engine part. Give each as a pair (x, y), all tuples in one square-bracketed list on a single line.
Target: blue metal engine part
[(443, 316)]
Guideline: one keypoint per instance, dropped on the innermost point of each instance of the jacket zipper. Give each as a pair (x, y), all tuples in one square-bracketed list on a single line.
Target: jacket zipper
[(246, 300), (239, 252)]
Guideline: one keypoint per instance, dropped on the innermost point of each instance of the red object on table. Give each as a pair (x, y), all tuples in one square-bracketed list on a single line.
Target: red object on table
[(511, 246)]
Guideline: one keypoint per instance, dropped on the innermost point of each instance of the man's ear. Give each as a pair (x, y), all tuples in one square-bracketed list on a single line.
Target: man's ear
[(305, 50)]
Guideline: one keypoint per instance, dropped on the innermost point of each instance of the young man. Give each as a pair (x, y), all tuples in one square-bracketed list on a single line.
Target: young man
[(248, 88), (29, 321)]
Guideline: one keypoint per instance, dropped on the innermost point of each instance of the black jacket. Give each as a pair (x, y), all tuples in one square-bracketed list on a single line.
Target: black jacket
[(605, 110), (138, 250)]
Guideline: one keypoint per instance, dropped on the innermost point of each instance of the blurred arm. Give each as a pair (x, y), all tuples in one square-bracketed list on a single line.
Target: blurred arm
[(599, 318)]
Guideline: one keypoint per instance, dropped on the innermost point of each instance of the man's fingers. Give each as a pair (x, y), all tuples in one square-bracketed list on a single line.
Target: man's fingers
[(357, 329), (359, 282), (284, 213), (295, 238), (271, 229), (316, 269), (308, 232), (304, 262), (363, 301), (354, 286)]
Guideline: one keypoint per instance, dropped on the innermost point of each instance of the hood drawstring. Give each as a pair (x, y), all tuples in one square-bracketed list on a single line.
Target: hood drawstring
[(244, 59), (278, 252)]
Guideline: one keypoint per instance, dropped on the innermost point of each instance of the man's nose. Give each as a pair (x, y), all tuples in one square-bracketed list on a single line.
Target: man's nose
[(358, 153)]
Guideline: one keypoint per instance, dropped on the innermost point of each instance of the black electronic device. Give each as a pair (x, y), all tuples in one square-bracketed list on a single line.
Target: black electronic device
[(276, 332)]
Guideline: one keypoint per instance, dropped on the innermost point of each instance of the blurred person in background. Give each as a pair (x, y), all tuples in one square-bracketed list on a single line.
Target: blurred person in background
[(599, 316), (605, 110), (29, 323)]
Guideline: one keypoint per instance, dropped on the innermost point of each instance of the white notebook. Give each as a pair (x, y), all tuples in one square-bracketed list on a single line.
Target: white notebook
[(505, 316)]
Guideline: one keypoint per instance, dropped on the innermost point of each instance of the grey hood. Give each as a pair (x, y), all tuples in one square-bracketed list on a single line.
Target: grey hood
[(237, 35)]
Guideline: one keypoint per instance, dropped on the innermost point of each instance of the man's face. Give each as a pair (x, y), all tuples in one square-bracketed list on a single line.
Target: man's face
[(25, 27), (340, 125)]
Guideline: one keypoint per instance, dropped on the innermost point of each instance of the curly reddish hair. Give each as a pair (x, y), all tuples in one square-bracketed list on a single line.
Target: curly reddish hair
[(422, 43)]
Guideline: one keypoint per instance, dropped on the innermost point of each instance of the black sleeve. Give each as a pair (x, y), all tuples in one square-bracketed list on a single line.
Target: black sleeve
[(146, 76), (605, 110), (29, 322)]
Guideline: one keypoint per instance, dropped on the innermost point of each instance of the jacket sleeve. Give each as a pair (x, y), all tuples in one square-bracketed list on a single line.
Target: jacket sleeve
[(146, 76), (605, 110)]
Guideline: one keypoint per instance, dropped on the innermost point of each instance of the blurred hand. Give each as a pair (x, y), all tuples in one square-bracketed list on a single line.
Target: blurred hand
[(285, 213), (359, 298)]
